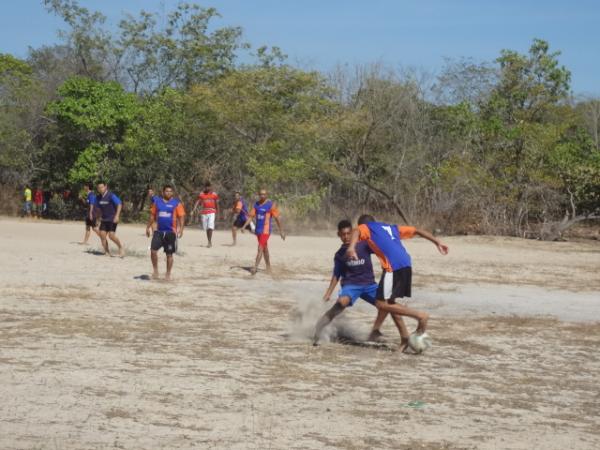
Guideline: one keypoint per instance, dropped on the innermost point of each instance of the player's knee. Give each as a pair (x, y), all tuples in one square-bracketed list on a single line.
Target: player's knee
[(334, 311), (344, 301)]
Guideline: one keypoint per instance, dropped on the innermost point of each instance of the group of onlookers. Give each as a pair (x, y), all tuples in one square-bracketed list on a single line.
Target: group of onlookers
[(36, 202)]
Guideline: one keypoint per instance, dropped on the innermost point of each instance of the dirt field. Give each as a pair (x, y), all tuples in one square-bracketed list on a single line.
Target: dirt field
[(94, 356)]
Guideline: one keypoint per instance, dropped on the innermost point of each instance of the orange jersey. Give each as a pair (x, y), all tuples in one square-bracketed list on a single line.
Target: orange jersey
[(209, 202)]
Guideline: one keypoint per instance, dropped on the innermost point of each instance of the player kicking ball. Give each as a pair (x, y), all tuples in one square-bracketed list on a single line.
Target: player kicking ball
[(385, 241), (166, 219), (357, 280)]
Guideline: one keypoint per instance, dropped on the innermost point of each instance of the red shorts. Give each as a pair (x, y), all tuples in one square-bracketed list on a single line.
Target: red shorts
[(263, 239)]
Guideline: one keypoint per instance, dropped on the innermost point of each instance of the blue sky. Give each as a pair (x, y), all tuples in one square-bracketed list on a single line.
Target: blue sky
[(322, 33)]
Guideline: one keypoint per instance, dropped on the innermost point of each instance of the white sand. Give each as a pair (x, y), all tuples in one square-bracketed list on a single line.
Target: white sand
[(93, 356)]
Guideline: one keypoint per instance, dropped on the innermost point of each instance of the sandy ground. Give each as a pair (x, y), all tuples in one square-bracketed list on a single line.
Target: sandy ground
[(94, 356)]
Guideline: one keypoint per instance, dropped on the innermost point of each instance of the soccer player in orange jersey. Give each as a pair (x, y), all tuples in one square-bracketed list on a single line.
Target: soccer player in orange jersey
[(210, 207)]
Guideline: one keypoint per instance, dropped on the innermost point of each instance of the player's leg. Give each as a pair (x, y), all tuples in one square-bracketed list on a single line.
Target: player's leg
[(113, 237), (154, 259), (88, 232), (402, 329), (210, 228), (170, 246), (326, 319), (267, 258), (376, 330), (259, 255), (420, 316), (170, 260), (104, 241), (155, 245), (234, 234)]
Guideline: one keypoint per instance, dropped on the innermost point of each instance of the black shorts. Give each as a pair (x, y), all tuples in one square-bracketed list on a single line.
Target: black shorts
[(239, 223), (396, 284), (91, 223), (166, 240), (108, 226)]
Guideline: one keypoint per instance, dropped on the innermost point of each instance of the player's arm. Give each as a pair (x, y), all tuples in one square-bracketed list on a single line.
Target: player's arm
[(442, 248), (351, 252), (251, 215), (151, 220), (180, 220), (91, 211), (275, 212), (195, 206), (332, 284), (118, 213)]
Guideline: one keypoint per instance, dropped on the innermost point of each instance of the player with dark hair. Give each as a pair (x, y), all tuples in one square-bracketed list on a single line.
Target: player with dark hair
[(91, 221), (385, 241), (209, 211), (239, 212), (110, 207), (265, 210), (167, 223)]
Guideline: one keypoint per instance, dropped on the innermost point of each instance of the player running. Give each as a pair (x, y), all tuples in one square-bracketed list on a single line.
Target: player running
[(91, 222), (385, 241), (110, 207), (167, 221), (210, 208), (239, 211), (265, 211)]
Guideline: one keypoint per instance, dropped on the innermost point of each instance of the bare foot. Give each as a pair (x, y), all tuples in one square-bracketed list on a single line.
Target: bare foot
[(121, 253), (209, 245), (253, 271), (155, 275), (403, 345), (168, 277)]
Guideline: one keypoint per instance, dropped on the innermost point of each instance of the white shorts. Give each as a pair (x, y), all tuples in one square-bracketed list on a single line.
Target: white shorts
[(208, 221)]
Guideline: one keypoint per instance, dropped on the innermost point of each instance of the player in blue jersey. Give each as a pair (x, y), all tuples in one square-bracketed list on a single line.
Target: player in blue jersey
[(357, 279), (167, 223), (109, 206), (265, 210), (91, 221), (239, 211), (385, 241)]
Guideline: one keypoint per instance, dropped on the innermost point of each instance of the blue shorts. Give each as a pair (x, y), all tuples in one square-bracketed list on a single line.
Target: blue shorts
[(355, 291)]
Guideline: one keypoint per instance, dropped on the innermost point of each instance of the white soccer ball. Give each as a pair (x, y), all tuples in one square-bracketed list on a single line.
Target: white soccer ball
[(419, 342)]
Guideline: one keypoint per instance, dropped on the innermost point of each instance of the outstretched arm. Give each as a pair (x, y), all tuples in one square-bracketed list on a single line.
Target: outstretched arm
[(442, 248)]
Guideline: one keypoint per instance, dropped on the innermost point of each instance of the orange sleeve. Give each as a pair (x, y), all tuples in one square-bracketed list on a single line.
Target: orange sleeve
[(406, 232), (363, 233), (252, 213), (275, 211), (153, 210), (180, 210)]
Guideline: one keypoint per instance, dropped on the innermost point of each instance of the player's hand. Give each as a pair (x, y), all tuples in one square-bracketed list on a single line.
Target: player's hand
[(442, 248), (116, 219), (351, 253), (148, 231), (283, 236), (180, 234), (326, 298)]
